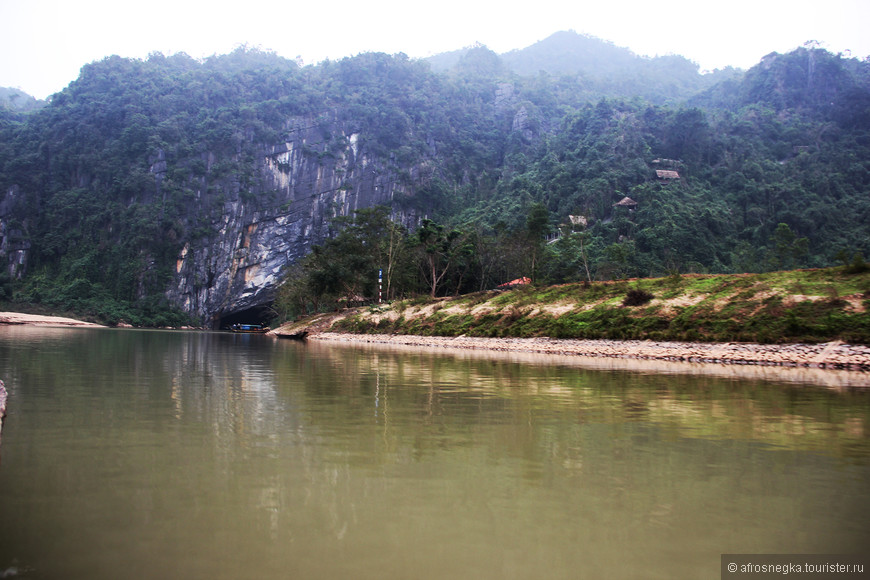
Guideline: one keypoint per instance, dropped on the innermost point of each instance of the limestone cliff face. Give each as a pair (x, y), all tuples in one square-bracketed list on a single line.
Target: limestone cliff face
[(295, 188), (14, 245)]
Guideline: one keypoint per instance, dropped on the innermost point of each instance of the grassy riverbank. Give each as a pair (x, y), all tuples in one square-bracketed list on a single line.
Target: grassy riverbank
[(776, 307)]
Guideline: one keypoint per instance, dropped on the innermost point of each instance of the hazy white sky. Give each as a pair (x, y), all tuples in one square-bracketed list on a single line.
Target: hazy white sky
[(44, 43)]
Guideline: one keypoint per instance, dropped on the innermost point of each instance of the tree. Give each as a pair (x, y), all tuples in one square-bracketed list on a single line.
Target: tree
[(583, 240), (437, 250), (787, 247), (347, 265), (618, 260), (537, 226), (385, 240), (292, 297)]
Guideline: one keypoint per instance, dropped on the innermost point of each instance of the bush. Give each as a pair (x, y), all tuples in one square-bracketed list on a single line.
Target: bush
[(637, 297), (858, 265)]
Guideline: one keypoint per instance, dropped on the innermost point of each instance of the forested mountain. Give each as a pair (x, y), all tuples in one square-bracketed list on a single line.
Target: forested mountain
[(172, 183), (600, 69), (18, 100)]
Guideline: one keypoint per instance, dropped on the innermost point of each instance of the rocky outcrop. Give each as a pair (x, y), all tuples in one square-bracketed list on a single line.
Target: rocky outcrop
[(14, 245), (322, 170)]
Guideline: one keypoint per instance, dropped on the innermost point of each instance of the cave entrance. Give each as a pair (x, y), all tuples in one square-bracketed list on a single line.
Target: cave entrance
[(261, 314)]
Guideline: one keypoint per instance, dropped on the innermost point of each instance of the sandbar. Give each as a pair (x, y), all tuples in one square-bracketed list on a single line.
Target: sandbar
[(40, 320)]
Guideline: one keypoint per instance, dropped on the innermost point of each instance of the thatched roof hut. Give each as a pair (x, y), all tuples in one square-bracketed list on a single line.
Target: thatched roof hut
[(626, 202), (578, 220), (666, 174)]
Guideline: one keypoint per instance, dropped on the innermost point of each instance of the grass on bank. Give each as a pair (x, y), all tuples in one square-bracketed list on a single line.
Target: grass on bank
[(791, 306)]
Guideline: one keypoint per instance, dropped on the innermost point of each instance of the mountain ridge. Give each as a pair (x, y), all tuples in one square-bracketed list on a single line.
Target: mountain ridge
[(164, 183)]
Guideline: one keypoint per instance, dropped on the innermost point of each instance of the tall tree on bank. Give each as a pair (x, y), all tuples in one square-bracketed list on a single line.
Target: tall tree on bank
[(437, 249), (537, 227)]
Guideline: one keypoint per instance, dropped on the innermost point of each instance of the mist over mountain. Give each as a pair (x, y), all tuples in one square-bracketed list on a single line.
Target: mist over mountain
[(173, 184), (17, 100), (606, 69)]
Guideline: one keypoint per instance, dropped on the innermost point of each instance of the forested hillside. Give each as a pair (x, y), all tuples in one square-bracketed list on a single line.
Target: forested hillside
[(18, 100), (171, 184)]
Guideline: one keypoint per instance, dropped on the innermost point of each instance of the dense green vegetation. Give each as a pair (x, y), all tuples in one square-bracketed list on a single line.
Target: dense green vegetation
[(773, 166)]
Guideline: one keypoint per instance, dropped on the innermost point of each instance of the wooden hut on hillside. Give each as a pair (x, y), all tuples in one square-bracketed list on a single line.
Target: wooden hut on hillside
[(626, 202), (578, 221), (666, 174)]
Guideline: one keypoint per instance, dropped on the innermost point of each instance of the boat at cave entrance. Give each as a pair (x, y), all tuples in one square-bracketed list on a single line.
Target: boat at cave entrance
[(249, 328)]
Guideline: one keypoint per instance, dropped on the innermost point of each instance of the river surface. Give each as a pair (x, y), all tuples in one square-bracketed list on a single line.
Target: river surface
[(159, 454)]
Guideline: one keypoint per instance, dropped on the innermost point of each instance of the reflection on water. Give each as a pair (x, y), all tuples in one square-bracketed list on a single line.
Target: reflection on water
[(209, 455)]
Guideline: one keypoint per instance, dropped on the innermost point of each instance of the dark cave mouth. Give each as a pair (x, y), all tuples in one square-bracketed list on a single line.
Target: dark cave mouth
[(261, 314)]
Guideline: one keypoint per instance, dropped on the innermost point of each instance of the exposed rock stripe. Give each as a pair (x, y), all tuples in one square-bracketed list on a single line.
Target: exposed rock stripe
[(832, 355)]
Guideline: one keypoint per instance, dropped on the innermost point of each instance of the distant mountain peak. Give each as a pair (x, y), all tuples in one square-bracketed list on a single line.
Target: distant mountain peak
[(568, 52), (18, 100)]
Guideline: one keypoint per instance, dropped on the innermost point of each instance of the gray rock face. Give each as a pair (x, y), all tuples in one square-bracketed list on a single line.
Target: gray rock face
[(14, 245), (320, 172)]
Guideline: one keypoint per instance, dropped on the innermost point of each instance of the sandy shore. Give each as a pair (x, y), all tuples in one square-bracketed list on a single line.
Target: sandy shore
[(831, 355), (38, 320)]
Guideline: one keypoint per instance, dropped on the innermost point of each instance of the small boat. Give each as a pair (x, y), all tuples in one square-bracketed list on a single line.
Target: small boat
[(249, 328), (301, 335)]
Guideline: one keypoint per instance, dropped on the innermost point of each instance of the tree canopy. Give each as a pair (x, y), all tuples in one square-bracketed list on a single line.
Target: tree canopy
[(730, 172)]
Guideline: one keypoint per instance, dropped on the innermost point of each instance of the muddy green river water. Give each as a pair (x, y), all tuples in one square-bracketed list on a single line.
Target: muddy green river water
[(159, 454)]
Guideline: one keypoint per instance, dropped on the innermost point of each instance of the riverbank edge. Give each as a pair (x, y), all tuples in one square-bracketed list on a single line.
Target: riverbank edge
[(831, 355), (18, 318), (827, 355)]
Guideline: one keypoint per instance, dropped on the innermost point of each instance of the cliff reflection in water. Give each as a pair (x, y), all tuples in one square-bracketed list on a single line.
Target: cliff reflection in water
[(169, 454)]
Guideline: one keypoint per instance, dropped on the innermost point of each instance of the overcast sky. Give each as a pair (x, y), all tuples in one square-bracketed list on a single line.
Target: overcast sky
[(44, 43)]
